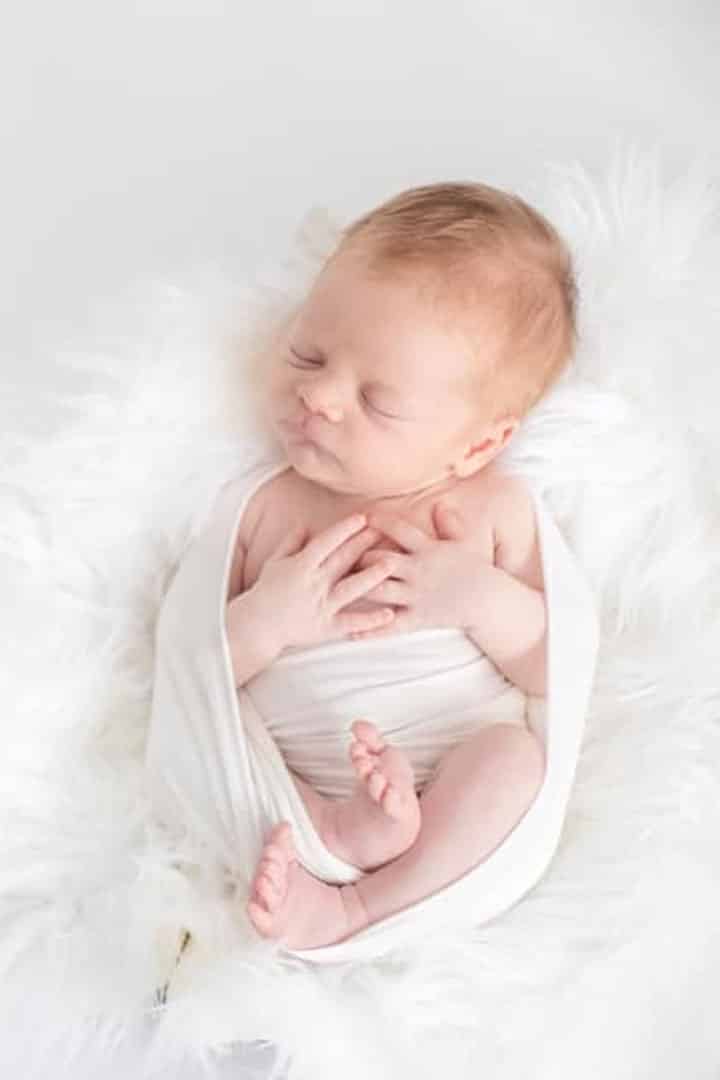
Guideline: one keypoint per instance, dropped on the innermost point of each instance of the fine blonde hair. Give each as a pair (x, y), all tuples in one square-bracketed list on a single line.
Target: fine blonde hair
[(492, 265)]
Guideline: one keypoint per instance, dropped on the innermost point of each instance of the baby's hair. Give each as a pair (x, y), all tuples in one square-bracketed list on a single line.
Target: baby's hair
[(481, 251)]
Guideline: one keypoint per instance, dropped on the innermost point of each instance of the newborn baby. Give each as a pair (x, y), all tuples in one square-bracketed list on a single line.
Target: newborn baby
[(441, 318)]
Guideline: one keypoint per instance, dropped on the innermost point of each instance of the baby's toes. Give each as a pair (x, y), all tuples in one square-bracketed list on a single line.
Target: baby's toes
[(262, 920), (367, 733), (273, 872), (271, 877), (259, 893), (273, 854), (392, 802), (269, 886), (270, 893), (362, 762), (376, 785), (281, 845)]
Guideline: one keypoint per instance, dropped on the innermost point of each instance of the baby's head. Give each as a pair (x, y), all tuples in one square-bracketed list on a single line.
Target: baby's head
[(441, 318)]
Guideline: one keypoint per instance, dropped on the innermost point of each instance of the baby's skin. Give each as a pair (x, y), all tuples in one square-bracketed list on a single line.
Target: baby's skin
[(371, 397), (410, 844), (478, 795)]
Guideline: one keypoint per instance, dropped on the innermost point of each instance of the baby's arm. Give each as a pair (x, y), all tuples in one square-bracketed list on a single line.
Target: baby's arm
[(512, 625), (249, 643)]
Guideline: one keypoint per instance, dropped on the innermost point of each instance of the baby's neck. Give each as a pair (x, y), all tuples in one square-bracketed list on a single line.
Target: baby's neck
[(349, 502)]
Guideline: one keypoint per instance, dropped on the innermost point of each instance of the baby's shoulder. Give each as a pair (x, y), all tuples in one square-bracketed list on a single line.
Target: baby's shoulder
[(506, 491), (508, 505), (492, 494), (272, 493)]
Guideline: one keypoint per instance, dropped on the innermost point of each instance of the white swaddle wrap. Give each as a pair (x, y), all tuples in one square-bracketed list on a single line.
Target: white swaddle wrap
[(218, 759)]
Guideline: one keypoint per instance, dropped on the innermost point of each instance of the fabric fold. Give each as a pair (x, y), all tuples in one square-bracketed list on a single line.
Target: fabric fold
[(214, 764)]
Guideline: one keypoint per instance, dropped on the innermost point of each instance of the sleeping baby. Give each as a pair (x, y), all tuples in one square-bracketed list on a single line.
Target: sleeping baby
[(440, 319)]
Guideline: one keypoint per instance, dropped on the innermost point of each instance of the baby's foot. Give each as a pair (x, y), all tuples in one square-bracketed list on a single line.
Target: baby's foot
[(289, 903), (382, 818)]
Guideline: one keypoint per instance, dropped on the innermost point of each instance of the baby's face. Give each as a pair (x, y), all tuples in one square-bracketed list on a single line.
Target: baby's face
[(366, 390)]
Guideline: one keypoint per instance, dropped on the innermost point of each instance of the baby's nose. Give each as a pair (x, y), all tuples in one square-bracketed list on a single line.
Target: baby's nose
[(318, 403)]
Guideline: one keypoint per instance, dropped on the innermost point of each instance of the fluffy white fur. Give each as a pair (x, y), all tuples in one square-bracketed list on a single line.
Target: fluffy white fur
[(609, 967)]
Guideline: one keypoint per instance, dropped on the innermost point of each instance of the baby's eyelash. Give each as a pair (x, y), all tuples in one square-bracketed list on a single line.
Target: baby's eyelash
[(375, 409), (316, 363), (305, 360)]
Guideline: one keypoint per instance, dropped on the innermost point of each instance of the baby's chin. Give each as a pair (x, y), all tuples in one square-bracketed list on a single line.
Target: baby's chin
[(313, 463), (324, 468), (308, 455)]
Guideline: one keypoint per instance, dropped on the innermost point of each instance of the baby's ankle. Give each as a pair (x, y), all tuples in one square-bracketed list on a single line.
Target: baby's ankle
[(329, 829), (323, 813)]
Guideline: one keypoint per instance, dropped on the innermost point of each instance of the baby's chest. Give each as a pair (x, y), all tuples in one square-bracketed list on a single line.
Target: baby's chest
[(278, 519), (282, 508)]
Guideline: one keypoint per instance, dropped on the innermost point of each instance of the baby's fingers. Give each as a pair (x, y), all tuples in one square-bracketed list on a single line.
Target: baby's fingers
[(399, 564), (369, 558), (359, 623), (390, 592), (387, 626), (355, 585), (322, 546)]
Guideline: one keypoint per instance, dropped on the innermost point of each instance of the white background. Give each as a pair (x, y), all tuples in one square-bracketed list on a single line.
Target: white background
[(150, 137)]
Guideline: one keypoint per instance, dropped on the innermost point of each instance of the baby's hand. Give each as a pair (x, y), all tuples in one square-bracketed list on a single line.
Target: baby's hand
[(305, 585), (434, 581)]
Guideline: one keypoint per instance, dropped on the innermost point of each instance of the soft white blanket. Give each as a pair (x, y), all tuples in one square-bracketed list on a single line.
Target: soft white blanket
[(218, 761), (607, 968)]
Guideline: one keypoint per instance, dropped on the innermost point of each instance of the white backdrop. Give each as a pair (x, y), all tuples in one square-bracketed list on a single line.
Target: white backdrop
[(151, 137)]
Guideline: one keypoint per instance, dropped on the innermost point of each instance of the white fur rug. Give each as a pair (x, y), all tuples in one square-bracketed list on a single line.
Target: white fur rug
[(609, 968)]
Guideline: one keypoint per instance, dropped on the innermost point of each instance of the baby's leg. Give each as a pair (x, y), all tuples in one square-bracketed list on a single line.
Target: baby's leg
[(481, 790), (382, 817)]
